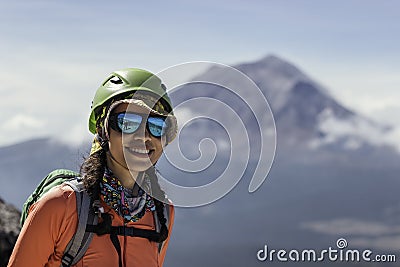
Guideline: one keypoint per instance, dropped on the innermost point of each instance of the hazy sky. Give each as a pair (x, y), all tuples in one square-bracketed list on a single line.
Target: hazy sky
[(54, 54)]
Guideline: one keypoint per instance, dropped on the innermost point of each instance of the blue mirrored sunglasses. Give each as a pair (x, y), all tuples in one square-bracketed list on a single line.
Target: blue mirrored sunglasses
[(128, 123)]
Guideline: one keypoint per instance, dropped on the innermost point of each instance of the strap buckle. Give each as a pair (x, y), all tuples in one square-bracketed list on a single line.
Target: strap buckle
[(67, 260), (125, 231)]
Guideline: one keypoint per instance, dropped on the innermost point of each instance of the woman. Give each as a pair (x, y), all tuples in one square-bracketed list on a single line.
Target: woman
[(132, 120)]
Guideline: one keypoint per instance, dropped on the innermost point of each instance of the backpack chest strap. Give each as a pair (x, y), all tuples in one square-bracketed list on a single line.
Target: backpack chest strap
[(151, 235), (106, 227)]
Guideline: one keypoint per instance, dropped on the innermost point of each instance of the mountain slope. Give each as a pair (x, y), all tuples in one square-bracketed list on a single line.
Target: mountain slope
[(23, 165)]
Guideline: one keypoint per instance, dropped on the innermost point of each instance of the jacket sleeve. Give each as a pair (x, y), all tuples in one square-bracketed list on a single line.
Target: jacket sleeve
[(166, 242), (46, 232)]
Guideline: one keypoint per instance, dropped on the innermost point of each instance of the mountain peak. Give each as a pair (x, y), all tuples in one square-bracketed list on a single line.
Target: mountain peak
[(276, 64), (273, 58), (276, 68)]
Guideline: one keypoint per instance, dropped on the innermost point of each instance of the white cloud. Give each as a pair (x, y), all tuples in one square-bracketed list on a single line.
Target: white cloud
[(75, 135), (50, 98), (21, 127), (22, 122), (357, 129)]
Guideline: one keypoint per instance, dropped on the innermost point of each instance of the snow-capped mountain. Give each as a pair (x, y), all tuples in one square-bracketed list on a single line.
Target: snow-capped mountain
[(305, 113)]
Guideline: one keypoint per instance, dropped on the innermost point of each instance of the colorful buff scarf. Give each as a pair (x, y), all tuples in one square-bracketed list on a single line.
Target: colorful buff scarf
[(122, 200)]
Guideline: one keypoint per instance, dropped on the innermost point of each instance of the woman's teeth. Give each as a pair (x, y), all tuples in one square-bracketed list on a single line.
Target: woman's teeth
[(142, 151)]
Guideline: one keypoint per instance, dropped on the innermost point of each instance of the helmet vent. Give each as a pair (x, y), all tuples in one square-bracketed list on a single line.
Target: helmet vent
[(115, 80)]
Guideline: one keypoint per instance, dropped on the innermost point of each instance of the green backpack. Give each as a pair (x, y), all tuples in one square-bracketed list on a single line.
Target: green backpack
[(79, 243)]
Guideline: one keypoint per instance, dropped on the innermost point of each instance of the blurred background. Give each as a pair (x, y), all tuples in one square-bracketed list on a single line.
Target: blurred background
[(330, 72)]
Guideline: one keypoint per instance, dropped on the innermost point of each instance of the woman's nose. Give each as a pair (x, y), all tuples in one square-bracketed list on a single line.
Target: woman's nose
[(142, 133)]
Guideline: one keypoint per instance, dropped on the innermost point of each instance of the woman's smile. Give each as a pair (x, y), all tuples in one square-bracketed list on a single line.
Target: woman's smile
[(140, 153)]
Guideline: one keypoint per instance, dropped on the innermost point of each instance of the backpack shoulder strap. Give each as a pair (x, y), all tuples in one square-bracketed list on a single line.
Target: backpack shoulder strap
[(79, 243), (157, 223)]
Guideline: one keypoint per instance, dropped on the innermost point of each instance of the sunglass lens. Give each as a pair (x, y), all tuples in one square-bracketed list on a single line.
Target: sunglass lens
[(156, 126), (129, 122)]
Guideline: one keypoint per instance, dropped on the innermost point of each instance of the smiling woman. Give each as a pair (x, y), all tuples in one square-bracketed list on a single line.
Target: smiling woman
[(133, 121)]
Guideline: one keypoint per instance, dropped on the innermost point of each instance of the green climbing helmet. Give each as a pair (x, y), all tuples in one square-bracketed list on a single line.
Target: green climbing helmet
[(127, 81)]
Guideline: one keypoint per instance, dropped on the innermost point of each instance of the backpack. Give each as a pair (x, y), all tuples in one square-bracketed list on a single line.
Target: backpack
[(87, 217), (79, 243)]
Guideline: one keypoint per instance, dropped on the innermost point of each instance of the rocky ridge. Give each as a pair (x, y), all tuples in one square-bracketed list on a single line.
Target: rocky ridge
[(9, 230)]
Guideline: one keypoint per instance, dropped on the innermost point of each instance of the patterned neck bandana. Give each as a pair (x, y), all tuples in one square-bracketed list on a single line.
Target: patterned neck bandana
[(123, 200)]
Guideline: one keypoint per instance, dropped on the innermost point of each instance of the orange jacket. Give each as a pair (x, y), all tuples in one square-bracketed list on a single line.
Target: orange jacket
[(52, 222)]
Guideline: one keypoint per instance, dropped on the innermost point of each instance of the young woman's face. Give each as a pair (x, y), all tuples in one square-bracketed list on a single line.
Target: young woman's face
[(125, 149)]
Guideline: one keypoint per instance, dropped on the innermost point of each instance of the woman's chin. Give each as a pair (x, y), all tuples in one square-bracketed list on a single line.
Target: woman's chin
[(138, 164)]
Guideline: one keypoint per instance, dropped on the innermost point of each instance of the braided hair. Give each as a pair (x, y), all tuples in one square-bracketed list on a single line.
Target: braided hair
[(158, 194), (92, 171)]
